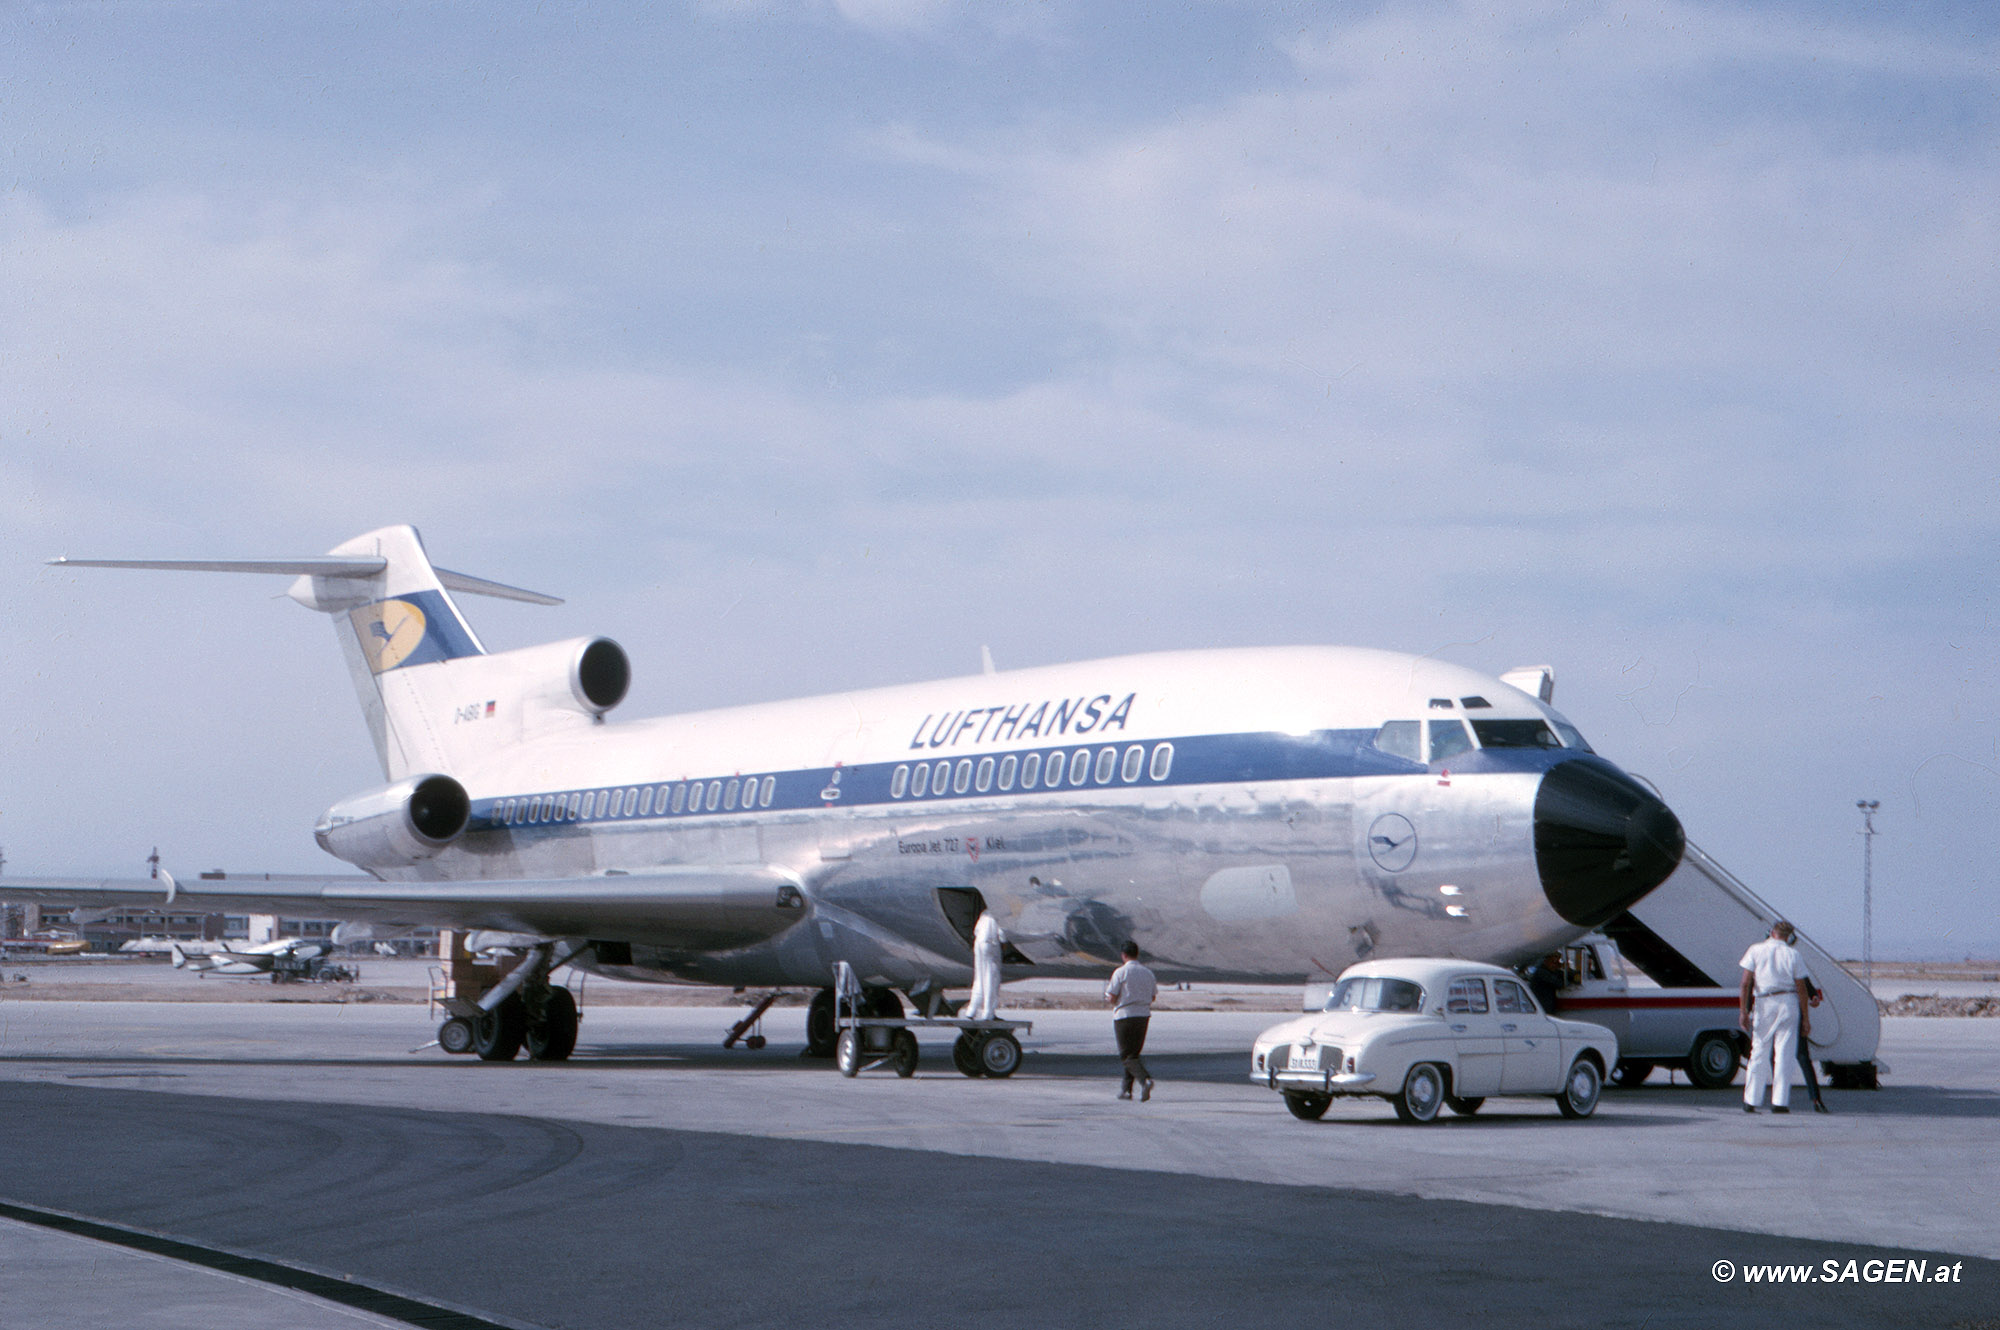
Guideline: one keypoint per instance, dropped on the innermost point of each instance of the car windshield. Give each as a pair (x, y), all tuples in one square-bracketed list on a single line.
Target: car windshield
[(1376, 994)]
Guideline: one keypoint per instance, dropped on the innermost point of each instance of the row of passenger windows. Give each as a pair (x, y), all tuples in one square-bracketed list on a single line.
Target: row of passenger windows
[(1449, 737), (987, 773), (640, 801)]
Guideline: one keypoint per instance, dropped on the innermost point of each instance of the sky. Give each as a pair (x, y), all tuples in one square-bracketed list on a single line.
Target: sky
[(808, 346)]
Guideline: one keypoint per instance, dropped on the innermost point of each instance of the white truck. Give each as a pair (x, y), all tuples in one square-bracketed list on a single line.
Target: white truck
[(1693, 1028)]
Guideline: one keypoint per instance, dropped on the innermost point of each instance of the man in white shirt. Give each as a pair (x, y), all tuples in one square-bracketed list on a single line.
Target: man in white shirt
[(1131, 992), (1774, 1010)]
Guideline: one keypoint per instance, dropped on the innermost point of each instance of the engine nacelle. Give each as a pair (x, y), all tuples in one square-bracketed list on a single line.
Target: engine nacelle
[(397, 825), (583, 674)]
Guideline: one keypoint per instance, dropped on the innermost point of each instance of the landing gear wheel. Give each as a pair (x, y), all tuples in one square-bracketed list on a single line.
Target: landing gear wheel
[(1579, 1093), (1629, 1072), (1422, 1094), (455, 1035), (1308, 1107), (819, 1025), (1465, 1108), (965, 1055), (497, 1034), (903, 1054), (754, 1042), (999, 1055), (847, 1053), (555, 1038), (1713, 1062)]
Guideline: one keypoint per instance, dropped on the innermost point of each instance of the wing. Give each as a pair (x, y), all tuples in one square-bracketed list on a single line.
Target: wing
[(694, 908)]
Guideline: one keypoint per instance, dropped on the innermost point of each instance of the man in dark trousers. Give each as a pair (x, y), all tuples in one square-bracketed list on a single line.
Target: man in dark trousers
[(1131, 993)]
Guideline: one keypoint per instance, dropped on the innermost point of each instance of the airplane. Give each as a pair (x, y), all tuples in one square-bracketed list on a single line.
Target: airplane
[(262, 959), (1262, 815)]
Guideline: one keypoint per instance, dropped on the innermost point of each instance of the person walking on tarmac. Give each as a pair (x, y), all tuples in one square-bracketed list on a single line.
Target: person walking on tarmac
[(1813, 996), (1131, 992), (1774, 980)]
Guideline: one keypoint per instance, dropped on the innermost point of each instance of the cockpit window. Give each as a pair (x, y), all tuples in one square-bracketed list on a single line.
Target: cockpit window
[(1399, 738), (1514, 734), (1448, 739), (1571, 737), (1376, 994)]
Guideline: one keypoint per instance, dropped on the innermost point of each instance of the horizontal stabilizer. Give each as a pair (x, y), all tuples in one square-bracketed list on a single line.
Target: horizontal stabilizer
[(698, 908), (323, 565)]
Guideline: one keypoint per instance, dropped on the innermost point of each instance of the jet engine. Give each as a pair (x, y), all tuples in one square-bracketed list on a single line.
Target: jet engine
[(397, 825)]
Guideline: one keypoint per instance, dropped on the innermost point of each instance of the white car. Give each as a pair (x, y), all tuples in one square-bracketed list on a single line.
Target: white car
[(1431, 1034)]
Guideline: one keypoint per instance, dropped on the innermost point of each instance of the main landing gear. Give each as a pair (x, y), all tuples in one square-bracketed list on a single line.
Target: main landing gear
[(536, 1014)]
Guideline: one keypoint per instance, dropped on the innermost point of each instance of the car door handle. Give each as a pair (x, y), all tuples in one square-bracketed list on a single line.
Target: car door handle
[(1459, 1028), (1510, 1027)]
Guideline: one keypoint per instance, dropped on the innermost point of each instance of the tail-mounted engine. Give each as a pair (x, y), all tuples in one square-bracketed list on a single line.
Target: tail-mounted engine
[(397, 825)]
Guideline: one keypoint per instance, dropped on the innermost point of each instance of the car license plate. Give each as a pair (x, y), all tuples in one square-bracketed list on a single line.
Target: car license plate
[(1305, 1059)]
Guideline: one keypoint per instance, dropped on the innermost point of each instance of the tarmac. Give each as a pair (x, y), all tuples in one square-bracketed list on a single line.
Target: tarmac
[(299, 1164)]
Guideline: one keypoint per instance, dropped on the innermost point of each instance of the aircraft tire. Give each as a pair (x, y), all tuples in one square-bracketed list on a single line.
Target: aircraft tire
[(1581, 1089), (819, 1025), (455, 1035), (497, 1034), (904, 1058), (847, 1053), (1629, 1072), (555, 1040), (965, 1055), (1308, 1107), (1713, 1061), (1000, 1055), (1422, 1094), (1465, 1108)]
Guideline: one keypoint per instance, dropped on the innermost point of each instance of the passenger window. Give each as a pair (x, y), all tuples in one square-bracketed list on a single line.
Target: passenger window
[(646, 802), (1107, 763), (982, 779), (680, 795), (899, 784), (1031, 770), (1399, 738), (1510, 997), (767, 791), (920, 780), (714, 794), (1079, 766), (1007, 765), (1052, 777), (1163, 761), (961, 780), (1135, 762), (729, 795), (589, 802), (1448, 739), (1466, 997)]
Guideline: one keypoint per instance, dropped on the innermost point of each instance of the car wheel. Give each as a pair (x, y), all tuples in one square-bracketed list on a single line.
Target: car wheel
[(1713, 1063), (1629, 1072), (1465, 1108), (1422, 1094), (1580, 1091), (1308, 1107)]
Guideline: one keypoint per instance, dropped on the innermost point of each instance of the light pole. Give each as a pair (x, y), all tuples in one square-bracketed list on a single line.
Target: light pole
[(1868, 807)]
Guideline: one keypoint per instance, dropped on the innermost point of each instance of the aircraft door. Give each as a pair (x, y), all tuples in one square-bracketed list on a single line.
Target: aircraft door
[(1476, 1032), (1534, 1049)]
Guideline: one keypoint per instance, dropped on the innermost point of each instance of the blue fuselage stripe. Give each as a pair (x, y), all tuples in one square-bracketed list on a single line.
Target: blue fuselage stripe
[(1212, 759)]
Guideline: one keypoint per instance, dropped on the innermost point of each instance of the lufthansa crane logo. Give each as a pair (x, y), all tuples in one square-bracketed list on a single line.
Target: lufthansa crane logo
[(388, 632), (1392, 842)]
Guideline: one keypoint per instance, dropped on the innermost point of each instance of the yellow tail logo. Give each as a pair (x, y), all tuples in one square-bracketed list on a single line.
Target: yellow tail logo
[(388, 632)]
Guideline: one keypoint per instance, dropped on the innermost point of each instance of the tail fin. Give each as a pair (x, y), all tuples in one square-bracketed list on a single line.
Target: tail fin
[(392, 611)]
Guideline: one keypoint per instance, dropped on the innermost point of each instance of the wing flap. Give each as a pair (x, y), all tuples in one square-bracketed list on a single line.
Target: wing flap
[(694, 908)]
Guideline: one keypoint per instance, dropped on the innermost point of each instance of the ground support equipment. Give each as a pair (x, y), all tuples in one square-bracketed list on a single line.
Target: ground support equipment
[(983, 1048)]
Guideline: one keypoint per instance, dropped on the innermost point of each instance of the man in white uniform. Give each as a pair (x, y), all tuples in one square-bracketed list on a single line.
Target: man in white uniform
[(1131, 992), (987, 939), (1775, 1012)]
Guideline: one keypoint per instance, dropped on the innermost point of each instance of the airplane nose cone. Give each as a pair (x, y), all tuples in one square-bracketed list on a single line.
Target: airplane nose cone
[(1602, 840)]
